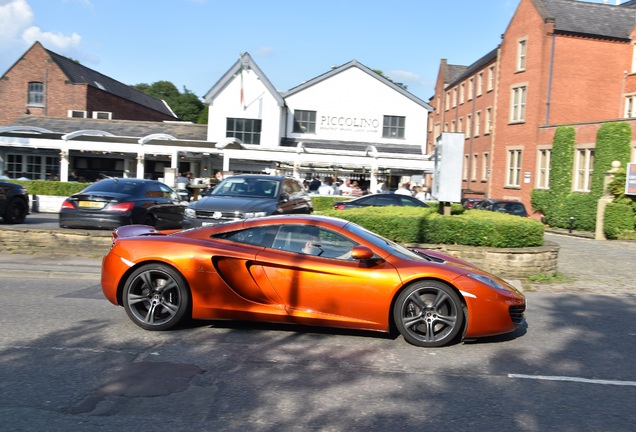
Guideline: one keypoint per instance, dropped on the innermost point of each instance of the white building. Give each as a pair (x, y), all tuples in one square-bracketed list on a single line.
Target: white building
[(349, 122)]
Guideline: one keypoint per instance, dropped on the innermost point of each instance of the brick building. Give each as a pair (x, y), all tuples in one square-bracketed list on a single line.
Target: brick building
[(44, 83), (560, 62)]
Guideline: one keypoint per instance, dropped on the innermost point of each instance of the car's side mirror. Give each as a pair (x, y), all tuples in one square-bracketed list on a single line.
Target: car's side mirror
[(361, 253), (284, 197)]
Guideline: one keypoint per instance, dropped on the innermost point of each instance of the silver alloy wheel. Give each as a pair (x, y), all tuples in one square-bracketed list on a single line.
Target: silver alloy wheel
[(429, 314), (156, 297)]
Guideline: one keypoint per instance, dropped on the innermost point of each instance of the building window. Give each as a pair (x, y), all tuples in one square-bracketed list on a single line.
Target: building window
[(437, 105), (513, 179), (471, 88), (477, 122), (447, 101), (484, 167), (583, 169), (32, 167), (460, 125), (36, 93), (438, 129), (393, 127), (488, 124), (445, 127), (522, 45), (473, 168), (480, 83), (247, 130), (465, 170), (462, 93), (304, 121), (543, 168), (469, 125), (630, 106), (455, 97), (518, 104), (453, 126), (491, 78)]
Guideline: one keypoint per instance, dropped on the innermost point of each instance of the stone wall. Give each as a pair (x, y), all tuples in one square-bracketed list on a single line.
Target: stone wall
[(506, 262), (90, 244)]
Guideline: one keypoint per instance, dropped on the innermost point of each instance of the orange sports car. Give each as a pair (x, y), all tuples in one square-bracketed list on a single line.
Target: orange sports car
[(303, 269)]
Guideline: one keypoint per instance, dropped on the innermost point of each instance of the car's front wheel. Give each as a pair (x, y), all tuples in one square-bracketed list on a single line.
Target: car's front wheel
[(428, 314), (156, 297)]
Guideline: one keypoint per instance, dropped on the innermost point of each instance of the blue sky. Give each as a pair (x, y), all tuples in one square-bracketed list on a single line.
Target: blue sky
[(192, 43)]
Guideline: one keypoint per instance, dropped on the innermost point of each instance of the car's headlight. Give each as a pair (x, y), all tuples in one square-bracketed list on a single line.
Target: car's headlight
[(250, 215), (190, 213), (488, 281)]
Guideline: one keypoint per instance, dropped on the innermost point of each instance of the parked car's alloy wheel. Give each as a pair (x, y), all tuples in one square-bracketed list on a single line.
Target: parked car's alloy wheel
[(16, 211), (428, 314), (156, 297)]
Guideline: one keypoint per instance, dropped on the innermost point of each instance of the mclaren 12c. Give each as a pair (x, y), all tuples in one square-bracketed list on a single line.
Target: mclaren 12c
[(303, 269)]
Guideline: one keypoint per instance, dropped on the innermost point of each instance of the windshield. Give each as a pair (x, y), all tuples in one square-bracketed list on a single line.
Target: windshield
[(385, 244), (253, 187)]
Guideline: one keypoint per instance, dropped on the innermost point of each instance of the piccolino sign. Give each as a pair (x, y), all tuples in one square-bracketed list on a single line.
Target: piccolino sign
[(343, 123)]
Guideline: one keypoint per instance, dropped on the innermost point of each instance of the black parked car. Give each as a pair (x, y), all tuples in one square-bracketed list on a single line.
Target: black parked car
[(503, 206), (247, 196), (113, 202), (14, 202), (380, 200)]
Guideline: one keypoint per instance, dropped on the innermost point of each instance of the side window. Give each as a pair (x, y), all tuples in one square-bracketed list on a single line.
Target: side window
[(169, 193), (316, 241), (259, 236)]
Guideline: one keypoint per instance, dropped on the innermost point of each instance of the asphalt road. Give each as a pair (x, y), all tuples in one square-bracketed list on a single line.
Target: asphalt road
[(69, 360)]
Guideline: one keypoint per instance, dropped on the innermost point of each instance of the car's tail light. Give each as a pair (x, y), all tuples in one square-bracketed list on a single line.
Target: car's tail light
[(339, 207), (121, 207), (68, 205)]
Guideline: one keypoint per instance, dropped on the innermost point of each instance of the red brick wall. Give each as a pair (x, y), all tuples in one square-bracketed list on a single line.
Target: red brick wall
[(60, 95)]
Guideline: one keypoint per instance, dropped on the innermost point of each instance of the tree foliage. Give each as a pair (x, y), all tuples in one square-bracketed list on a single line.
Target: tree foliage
[(186, 105)]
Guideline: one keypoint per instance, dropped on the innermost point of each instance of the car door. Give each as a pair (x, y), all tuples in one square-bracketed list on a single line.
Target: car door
[(167, 208), (326, 288)]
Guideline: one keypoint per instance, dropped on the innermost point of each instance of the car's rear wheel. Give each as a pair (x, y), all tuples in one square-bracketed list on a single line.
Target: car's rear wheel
[(16, 211), (428, 314), (156, 297), (148, 219)]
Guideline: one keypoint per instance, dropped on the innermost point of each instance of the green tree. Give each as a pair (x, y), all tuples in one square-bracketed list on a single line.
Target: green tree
[(186, 105)]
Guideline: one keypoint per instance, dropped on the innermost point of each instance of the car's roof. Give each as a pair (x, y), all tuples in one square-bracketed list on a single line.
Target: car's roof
[(260, 176)]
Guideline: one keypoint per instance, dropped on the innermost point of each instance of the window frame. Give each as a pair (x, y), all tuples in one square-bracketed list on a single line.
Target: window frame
[(35, 97), (254, 135), (582, 181), (518, 102), (513, 167), (522, 52), (389, 129), (544, 160), (304, 119)]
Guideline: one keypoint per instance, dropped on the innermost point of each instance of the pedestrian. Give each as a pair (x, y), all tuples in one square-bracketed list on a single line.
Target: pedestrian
[(404, 190)]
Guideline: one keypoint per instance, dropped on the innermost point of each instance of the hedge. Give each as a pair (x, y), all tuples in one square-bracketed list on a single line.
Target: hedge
[(471, 228), (52, 188)]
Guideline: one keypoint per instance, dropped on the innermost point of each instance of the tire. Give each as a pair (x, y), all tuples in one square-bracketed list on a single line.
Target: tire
[(428, 314), (156, 297), (148, 219), (16, 211)]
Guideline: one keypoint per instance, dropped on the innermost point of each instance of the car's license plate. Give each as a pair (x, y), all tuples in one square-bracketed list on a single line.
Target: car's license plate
[(90, 204)]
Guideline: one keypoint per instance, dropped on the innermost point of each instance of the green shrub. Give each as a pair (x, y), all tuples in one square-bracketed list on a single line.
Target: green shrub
[(619, 220), (53, 188), (471, 228)]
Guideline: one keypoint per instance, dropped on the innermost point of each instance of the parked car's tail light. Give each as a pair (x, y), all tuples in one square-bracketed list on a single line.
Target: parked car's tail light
[(121, 207), (339, 207), (67, 204)]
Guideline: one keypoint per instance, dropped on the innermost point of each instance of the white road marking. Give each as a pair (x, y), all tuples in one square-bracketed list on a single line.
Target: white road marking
[(573, 379)]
